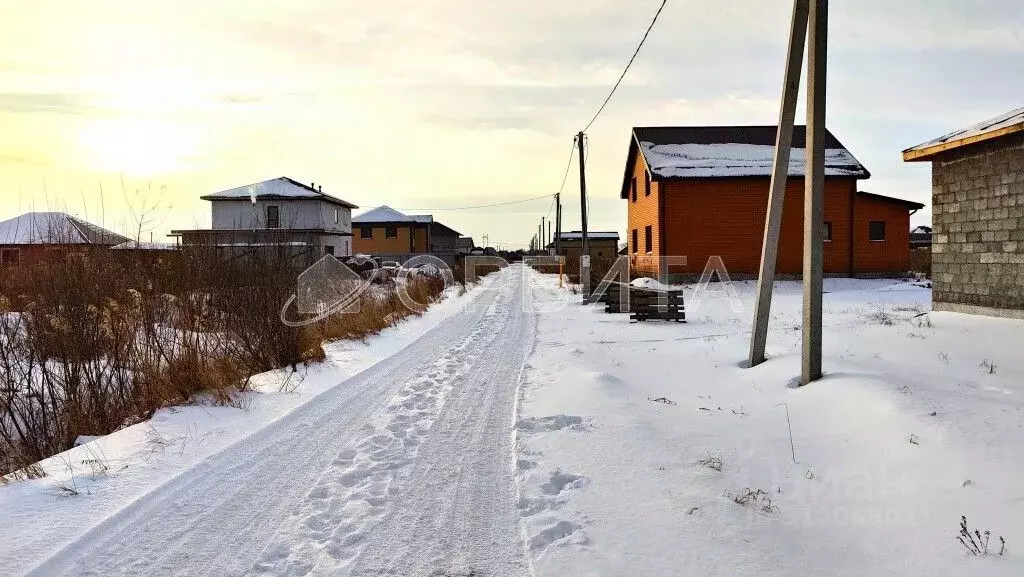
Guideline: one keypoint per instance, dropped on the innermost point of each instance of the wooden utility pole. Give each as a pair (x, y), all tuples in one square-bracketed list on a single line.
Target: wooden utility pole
[(780, 173), (558, 222), (543, 234), (583, 193), (814, 191)]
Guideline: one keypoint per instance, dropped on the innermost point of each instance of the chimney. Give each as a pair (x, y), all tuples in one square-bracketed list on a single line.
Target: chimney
[(312, 185), (320, 188)]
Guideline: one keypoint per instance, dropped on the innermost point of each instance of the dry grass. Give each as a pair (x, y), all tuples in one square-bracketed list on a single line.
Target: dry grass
[(97, 342)]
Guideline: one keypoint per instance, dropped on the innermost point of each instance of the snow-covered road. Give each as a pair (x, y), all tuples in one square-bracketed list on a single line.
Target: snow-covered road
[(407, 468)]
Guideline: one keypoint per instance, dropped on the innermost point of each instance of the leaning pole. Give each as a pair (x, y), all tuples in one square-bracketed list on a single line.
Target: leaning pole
[(780, 174), (810, 22)]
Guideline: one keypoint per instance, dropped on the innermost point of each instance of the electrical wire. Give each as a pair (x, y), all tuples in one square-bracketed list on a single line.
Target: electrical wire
[(481, 205), (568, 165), (630, 63)]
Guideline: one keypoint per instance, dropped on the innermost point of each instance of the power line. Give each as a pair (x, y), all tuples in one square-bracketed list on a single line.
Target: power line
[(482, 205), (568, 165), (630, 63)]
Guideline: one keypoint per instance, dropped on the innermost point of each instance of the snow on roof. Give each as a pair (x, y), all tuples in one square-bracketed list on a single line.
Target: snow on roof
[(54, 228), (282, 187), (389, 215), (385, 214), (577, 235), (1012, 121), (143, 245), (734, 159), (727, 151)]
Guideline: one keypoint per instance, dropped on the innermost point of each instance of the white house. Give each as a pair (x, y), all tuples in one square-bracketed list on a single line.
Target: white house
[(281, 211)]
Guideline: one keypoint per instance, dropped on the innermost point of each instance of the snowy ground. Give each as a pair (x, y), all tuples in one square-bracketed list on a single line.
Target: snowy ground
[(910, 429), (409, 456)]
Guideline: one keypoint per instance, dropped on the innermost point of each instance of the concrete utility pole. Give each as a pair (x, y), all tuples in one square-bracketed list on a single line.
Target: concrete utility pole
[(543, 234), (583, 193), (814, 191), (780, 173)]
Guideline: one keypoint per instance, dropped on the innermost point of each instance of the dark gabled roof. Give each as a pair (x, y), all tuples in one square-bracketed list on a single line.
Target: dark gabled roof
[(281, 188), (438, 228), (908, 203), (761, 135), (679, 152)]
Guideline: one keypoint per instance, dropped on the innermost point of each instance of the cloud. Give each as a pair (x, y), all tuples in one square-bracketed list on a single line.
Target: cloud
[(26, 103)]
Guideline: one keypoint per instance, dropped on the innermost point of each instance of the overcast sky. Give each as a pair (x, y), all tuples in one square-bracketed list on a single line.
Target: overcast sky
[(440, 103)]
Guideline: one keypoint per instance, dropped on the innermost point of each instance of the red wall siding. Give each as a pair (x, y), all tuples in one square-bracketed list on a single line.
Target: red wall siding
[(725, 217), (890, 255), (644, 212)]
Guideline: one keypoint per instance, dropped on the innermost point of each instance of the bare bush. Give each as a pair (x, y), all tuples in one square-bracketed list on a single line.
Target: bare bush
[(977, 542), (757, 500), (713, 462), (99, 341)]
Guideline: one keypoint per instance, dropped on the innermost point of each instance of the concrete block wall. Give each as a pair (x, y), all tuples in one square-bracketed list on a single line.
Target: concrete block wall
[(978, 226)]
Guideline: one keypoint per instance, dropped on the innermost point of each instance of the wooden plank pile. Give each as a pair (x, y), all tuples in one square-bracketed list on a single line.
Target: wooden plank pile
[(645, 304)]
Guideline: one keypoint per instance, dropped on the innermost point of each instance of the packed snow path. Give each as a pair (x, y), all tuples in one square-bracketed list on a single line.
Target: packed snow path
[(407, 469)]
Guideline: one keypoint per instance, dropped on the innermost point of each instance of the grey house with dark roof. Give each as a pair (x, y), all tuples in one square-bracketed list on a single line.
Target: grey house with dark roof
[(978, 216), (277, 212)]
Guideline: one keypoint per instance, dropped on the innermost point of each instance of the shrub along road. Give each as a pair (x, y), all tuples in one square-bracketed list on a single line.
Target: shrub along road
[(404, 469)]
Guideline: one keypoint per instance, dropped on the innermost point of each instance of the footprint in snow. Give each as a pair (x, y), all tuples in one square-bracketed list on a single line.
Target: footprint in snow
[(554, 423), (560, 481), (562, 533)]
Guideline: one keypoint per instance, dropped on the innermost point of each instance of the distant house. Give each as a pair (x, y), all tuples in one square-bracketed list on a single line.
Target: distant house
[(384, 231), (465, 245), (600, 244), (978, 216), (698, 192), (921, 238), (278, 212), (37, 235)]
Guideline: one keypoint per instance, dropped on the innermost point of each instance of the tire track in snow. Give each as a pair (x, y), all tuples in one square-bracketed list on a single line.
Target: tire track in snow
[(456, 510), (217, 518), (334, 521)]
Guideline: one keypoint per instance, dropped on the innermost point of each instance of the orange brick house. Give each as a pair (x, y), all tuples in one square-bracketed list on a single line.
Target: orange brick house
[(698, 192), (385, 231)]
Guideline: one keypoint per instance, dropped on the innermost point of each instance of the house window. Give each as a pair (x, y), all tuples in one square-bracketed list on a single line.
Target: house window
[(632, 189), (648, 239), (329, 250), (273, 217), (10, 257), (647, 185), (337, 216), (876, 230), (391, 231), (366, 232), (635, 243), (827, 232)]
